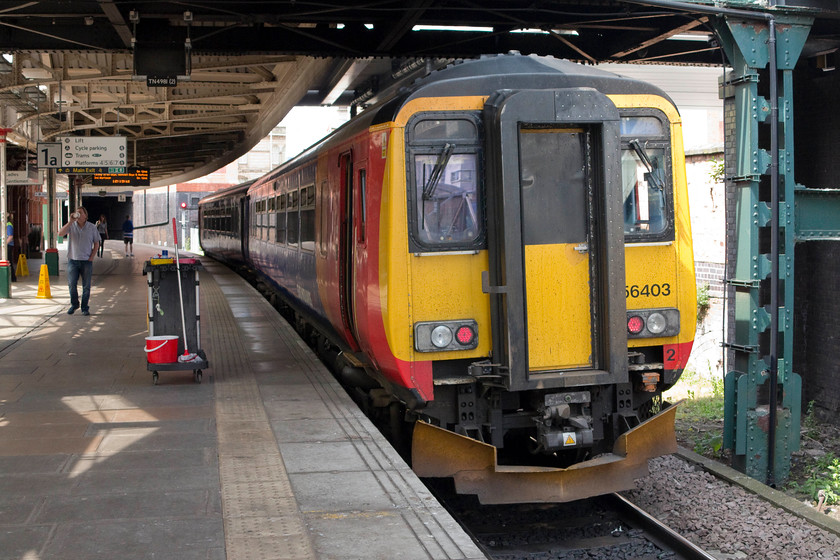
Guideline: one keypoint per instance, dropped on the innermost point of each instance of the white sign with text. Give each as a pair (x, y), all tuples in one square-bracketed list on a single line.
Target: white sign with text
[(101, 151)]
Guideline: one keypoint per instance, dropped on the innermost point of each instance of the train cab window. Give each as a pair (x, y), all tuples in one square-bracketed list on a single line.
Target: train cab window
[(646, 178), (444, 186)]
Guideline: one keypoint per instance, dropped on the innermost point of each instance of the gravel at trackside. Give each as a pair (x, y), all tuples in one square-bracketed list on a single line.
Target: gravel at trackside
[(726, 520)]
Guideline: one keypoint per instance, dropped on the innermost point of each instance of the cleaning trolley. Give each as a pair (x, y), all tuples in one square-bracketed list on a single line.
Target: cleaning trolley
[(174, 337)]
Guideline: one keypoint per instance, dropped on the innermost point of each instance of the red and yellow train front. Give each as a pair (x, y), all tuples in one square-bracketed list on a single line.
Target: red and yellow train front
[(432, 243)]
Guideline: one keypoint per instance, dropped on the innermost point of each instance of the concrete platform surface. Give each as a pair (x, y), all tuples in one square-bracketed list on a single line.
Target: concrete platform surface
[(267, 458)]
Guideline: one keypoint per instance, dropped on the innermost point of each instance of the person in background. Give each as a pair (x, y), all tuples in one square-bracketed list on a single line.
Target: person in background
[(102, 228), (10, 245), (128, 236), (82, 245)]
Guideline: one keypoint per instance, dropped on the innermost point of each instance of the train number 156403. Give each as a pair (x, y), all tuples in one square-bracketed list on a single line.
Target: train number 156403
[(652, 290)]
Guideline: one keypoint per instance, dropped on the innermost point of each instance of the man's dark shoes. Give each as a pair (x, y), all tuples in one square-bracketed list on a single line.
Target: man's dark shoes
[(71, 310), (85, 312)]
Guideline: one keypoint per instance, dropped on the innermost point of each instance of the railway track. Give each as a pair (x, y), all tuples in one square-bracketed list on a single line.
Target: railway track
[(607, 527)]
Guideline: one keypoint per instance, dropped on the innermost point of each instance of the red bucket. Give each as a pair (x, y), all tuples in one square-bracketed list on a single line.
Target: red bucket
[(162, 349)]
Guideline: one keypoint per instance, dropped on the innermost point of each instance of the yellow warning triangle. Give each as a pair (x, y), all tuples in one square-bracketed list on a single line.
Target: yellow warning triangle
[(44, 283), (570, 440), (22, 266)]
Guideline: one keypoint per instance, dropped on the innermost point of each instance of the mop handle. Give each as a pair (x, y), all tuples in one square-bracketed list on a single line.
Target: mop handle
[(180, 290)]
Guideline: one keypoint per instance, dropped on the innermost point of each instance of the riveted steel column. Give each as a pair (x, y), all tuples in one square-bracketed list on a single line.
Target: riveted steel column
[(762, 394)]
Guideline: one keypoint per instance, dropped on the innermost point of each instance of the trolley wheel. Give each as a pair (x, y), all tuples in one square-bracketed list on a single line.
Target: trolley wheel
[(197, 376), (154, 378)]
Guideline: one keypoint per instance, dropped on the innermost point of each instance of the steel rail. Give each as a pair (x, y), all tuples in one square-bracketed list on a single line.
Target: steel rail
[(667, 536)]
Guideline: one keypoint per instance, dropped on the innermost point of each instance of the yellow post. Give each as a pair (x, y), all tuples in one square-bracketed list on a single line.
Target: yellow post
[(22, 266), (44, 283)]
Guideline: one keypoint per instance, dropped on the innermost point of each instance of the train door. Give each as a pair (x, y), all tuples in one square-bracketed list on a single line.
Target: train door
[(555, 243), (347, 244)]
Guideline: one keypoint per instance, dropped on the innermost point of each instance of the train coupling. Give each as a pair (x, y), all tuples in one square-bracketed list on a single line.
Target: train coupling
[(563, 424), (473, 465)]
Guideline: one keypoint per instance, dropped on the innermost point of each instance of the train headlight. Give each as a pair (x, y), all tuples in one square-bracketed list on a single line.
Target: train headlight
[(441, 336), (651, 323), (438, 336), (657, 323)]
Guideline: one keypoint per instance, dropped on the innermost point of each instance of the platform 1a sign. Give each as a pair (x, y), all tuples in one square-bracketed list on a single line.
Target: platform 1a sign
[(49, 155)]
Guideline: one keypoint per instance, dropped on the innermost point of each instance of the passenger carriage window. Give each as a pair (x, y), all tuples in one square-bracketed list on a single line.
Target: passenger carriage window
[(323, 200), (281, 218), (292, 223), (646, 178), (444, 182), (307, 218), (252, 207)]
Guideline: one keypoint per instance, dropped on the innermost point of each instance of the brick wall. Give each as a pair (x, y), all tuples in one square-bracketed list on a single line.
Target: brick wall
[(710, 273), (816, 338), (817, 263)]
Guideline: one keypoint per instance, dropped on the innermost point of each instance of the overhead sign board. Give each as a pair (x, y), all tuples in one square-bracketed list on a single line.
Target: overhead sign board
[(93, 152), (133, 177)]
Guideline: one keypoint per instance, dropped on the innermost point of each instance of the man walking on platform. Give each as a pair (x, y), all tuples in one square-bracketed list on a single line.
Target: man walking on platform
[(128, 235), (83, 243)]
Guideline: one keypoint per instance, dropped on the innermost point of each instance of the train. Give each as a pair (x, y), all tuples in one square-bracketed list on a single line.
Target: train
[(496, 258)]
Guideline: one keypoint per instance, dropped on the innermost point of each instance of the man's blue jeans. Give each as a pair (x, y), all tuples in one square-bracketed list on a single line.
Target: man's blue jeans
[(74, 269)]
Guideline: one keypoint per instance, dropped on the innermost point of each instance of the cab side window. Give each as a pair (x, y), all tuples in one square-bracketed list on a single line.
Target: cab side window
[(445, 210), (646, 178)]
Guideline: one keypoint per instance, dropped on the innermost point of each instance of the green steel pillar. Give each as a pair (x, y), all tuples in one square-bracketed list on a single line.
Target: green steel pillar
[(752, 398)]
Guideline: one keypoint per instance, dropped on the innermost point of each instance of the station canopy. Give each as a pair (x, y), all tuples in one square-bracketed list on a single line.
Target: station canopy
[(195, 85)]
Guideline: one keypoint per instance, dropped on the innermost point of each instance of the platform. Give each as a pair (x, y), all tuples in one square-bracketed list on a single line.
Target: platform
[(266, 459)]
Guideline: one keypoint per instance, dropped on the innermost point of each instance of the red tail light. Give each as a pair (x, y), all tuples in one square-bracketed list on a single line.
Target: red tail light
[(635, 324), (465, 335)]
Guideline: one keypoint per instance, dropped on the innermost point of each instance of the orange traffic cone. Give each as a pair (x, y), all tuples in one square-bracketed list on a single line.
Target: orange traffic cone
[(44, 283)]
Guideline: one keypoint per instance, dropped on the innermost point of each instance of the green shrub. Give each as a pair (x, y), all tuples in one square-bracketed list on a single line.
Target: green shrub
[(703, 302)]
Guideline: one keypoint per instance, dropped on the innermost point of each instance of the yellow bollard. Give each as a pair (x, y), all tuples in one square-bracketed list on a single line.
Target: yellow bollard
[(22, 266), (44, 283)]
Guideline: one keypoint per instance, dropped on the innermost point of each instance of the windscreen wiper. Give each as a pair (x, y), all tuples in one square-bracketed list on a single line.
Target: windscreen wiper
[(437, 171), (652, 176)]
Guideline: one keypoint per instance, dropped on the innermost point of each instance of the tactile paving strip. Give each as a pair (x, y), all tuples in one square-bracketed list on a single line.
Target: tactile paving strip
[(262, 520)]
